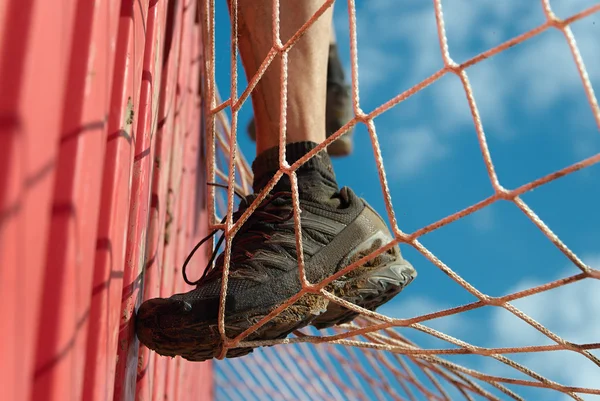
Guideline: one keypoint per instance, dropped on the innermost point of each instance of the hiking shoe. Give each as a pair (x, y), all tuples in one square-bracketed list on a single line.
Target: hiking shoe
[(338, 228), (338, 106)]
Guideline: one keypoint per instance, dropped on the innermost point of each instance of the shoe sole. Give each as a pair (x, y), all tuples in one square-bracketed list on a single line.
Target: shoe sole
[(201, 341), (370, 285)]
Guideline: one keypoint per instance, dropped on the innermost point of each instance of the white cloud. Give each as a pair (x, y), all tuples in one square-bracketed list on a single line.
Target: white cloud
[(571, 312), (450, 103), (414, 150), (398, 47), (483, 220), (565, 310), (369, 75), (538, 73), (395, 43), (566, 8), (486, 23)]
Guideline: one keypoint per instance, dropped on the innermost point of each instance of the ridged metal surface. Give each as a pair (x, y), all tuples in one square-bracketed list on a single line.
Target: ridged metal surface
[(100, 134)]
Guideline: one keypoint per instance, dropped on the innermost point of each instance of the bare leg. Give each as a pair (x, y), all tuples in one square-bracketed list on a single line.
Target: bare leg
[(307, 69), (332, 38)]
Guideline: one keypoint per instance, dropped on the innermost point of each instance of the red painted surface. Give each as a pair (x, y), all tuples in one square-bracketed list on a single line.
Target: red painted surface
[(61, 342), (32, 34), (102, 187), (114, 211), (134, 16)]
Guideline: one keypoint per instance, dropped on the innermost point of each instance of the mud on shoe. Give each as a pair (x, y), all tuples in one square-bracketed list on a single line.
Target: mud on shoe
[(373, 283), (338, 228), (264, 273)]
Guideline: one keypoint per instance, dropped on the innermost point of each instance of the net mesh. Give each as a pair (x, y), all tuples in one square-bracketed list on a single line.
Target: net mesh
[(373, 357)]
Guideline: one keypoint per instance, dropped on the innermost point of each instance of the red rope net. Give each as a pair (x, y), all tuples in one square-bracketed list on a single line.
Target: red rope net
[(374, 357)]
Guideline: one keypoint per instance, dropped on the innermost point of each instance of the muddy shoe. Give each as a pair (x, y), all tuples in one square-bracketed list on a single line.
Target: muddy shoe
[(338, 228), (338, 106)]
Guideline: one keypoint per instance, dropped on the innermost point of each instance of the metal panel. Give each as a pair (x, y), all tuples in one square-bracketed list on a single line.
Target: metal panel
[(90, 194), (176, 203), (110, 251), (151, 90), (127, 351), (111, 232), (178, 191), (32, 34), (157, 271), (60, 355)]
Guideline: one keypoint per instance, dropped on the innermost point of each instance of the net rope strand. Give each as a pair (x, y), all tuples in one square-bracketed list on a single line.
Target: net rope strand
[(351, 354)]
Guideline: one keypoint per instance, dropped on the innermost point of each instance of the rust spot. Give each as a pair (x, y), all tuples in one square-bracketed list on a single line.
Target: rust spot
[(169, 217), (129, 112)]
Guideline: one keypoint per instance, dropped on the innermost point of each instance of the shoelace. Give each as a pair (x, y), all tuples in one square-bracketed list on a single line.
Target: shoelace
[(259, 212)]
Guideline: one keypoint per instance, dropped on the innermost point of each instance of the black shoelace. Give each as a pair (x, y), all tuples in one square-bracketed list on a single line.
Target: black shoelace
[(261, 214)]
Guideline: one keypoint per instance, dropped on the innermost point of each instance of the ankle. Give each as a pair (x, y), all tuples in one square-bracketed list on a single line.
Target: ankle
[(318, 169)]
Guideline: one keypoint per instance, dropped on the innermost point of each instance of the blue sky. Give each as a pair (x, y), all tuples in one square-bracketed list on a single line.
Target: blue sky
[(537, 120)]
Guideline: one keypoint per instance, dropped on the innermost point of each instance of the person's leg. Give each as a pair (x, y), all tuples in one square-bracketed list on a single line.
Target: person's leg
[(332, 37), (338, 228), (337, 104), (307, 69)]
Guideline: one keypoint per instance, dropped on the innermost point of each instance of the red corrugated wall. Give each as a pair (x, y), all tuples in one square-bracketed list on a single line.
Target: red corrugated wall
[(101, 158)]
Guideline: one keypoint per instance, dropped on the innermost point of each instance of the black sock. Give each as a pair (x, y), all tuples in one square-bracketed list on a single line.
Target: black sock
[(317, 172)]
